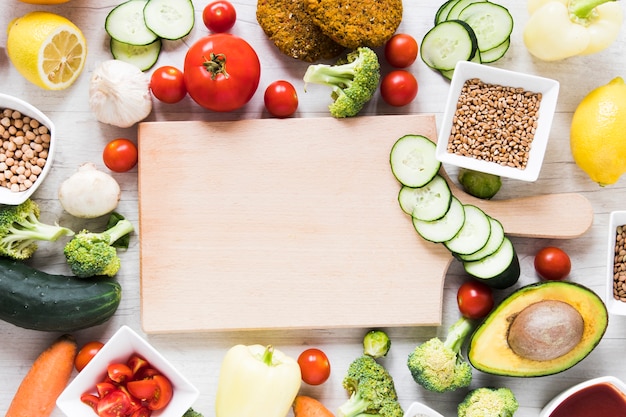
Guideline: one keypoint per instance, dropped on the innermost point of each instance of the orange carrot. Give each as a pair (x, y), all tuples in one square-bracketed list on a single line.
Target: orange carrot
[(305, 406), (46, 379)]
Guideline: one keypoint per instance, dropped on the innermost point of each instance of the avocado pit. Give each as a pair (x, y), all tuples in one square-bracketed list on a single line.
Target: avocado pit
[(545, 330)]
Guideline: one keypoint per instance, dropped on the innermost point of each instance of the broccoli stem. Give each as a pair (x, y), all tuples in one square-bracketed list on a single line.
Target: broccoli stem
[(331, 75), (457, 333), (121, 228), (32, 229), (355, 406)]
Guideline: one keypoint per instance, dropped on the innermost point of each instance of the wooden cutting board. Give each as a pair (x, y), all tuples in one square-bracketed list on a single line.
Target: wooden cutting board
[(294, 223)]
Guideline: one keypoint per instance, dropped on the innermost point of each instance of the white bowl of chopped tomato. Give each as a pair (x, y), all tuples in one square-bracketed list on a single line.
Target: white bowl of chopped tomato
[(497, 121), (28, 140), (127, 377)]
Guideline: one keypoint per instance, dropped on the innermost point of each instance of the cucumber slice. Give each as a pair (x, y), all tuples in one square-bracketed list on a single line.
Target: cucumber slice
[(427, 203), (444, 9), (491, 22), (125, 23), (494, 54), (413, 160), (448, 43), (169, 19), (142, 56), (496, 238), (444, 229), (473, 235), (455, 11), (499, 270)]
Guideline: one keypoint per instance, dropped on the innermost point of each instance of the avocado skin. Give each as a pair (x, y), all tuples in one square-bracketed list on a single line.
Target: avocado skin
[(488, 349)]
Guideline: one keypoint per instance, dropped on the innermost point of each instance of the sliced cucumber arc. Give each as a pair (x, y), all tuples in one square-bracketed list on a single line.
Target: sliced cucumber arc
[(125, 23), (142, 56), (474, 234), (494, 54), (447, 43), (169, 19), (413, 160), (427, 203), (496, 238), (444, 9), (499, 270), (491, 22), (444, 229), (455, 11)]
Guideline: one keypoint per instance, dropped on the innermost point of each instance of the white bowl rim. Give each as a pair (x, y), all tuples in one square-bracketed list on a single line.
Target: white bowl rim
[(616, 307), (14, 103), (558, 399), (418, 407)]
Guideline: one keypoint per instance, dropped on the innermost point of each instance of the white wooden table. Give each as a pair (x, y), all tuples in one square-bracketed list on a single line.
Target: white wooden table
[(198, 356)]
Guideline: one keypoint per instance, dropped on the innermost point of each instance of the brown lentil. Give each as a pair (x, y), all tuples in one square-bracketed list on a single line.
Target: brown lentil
[(619, 264), (23, 150), (494, 123)]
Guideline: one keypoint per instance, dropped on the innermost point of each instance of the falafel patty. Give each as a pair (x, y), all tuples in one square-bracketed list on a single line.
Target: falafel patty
[(355, 23), (289, 26)]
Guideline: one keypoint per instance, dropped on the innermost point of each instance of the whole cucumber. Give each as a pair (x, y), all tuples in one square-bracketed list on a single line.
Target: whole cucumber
[(36, 300)]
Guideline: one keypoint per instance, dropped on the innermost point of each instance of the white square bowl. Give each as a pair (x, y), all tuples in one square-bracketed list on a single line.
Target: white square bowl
[(9, 102), (417, 409), (549, 90), (119, 348), (558, 400), (616, 307)]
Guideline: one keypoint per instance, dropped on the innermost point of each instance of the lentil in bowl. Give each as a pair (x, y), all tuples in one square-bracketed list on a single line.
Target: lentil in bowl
[(497, 121)]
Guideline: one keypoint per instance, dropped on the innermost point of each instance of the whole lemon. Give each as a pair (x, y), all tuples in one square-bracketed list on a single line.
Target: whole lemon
[(598, 133), (47, 49)]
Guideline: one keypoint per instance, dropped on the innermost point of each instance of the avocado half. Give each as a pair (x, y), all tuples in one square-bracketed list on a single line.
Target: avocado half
[(489, 350)]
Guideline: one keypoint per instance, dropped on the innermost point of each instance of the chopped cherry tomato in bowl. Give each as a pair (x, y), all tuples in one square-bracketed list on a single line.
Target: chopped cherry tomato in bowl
[(475, 299), (314, 366), (552, 264), (401, 50), (398, 88), (86, 353), (120, 155), (281, 99), (219, 16)]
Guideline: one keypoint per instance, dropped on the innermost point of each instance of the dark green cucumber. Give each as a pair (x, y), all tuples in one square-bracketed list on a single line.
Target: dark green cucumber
[(36, 300)]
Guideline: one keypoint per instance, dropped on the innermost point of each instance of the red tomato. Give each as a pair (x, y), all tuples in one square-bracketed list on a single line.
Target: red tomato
[(104, 388), (219, 16), (86, 353), (475, 299), (281, 99), (120, 155), (401, 50), (141, 412), (552, 264), (168, 84), (91, 400), (136, 363), (119, 372), (398, 88), (222, 72), (143, 389), (163, 394), (115, 404), (314, 366)]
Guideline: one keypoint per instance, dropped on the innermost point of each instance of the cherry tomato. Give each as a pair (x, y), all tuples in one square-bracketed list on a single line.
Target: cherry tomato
[(143, 389), (163, 393), (115, 404), (222, 72), (120, 155), (219, 16), (119, 372), (86, 353), (136, 363), (104, 388), (314, 366), (281, 99), (475, 299), (552, 264), (142, 412), (398, 88), (91, 400), (167, 84), (401, 50)]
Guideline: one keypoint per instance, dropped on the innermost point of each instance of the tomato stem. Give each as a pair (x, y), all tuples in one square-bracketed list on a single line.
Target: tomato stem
[(216, 65)]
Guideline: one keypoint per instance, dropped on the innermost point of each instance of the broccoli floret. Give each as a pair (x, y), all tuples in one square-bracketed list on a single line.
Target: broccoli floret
[(89, 254), (354, 81), (438, 365), (488, 402), (376, 343), (20, 230), (192, 413), (372, 391)]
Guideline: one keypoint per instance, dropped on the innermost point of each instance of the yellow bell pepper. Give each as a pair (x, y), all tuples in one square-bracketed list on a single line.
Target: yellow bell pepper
[(256, 380), (559, 29)]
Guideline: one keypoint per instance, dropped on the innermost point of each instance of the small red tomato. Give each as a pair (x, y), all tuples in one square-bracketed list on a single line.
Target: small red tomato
[(119, 372), (219, 16), (398, 88), (314, 366), (163, 394), (86, 353), (120, 155), (137, 363), (281, 99), (91, 400), (144, 389), (552, 264), (401, 50), (104, 388), (475, 299), (115, 404), (167, 84)]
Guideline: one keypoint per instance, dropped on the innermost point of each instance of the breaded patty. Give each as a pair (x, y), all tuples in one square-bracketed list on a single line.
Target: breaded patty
[(354, 23), (288, 25)]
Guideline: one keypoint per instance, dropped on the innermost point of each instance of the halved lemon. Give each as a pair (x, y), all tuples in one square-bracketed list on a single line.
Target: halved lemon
[(47, 49)]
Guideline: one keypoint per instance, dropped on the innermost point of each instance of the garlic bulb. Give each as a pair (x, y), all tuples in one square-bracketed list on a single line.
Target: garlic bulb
[(119, 93)]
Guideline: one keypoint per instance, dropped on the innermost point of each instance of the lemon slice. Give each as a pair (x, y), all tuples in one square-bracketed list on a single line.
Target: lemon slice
[(47, 49)]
